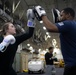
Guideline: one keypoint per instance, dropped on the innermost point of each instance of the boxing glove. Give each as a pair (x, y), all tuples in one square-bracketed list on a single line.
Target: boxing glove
[(56, 15), (31, 18), (9, 39), (39, 12)]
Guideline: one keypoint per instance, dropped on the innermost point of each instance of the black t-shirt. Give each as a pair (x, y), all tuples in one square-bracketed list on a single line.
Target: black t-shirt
[(7, 57), (47, 58)]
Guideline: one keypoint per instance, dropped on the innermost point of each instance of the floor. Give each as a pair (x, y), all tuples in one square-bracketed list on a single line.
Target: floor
[(59, 71)]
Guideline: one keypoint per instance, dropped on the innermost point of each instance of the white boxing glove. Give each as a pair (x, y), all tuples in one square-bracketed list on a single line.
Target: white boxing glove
[(31, 18), (39, 12), (9, 39)]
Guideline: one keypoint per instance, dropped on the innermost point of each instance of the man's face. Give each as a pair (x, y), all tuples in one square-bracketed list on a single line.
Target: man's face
[(51, 50), (63, 16)]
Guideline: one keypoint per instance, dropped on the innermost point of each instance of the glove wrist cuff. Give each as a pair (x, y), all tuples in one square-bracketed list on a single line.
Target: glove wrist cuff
[(30, 23)]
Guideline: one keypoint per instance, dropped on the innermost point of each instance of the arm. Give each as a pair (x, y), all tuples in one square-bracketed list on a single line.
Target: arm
[(40, 14), (30, 24), (25, 36), (49, 25)]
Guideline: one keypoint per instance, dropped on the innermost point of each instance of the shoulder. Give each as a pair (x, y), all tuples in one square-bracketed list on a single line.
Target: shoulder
[(69, 22), (65, 26), (46, 53), (63, 23)]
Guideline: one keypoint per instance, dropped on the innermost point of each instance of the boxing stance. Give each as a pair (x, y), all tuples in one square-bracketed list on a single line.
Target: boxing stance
[(67, 29), (10, 43)]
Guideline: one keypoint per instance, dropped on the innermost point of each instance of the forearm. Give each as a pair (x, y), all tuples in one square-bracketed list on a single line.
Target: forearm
[(25, 36), (30, 31), (40, 14), (49, 25)]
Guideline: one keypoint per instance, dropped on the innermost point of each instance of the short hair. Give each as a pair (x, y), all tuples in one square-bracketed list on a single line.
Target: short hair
[(50, 48), (70, 11)]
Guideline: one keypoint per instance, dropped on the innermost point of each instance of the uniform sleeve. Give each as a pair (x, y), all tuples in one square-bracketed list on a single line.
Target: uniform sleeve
[(24, 36), (64, 26)]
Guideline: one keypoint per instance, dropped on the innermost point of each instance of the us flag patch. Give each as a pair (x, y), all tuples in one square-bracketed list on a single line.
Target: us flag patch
[(61, 23)]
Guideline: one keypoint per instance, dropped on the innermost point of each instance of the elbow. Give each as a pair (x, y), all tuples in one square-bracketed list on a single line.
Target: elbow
[(50, 30), (30, 35)]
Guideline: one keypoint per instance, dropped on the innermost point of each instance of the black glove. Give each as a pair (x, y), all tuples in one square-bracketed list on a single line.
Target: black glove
[(39, 12), (56, 15)]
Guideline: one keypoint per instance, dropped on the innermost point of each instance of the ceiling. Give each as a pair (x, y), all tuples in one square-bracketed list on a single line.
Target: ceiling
[(19, 7), (16, 9)]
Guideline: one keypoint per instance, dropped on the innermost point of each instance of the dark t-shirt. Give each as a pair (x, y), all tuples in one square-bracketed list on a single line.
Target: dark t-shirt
[(7, 57), (47, 58), (67, 30)]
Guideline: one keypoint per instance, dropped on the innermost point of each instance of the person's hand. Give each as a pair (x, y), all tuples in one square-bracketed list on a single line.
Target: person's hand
[(39, 12), (56, 15), (9, 39), (52, 58), (31, 18)]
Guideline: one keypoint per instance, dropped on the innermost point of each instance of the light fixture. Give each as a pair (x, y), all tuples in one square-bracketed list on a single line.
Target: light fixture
[(47, 33), (41, 21), (31, 48), (39, 50), (49, 36), (44, 28), (28, 44)]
